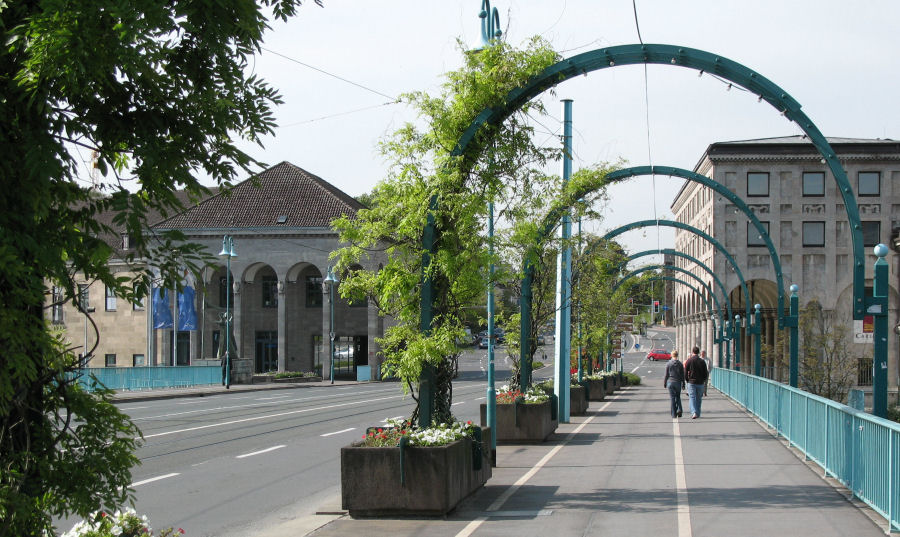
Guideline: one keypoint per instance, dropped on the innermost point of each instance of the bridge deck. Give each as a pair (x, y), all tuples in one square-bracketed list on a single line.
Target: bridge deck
[(626, 468)]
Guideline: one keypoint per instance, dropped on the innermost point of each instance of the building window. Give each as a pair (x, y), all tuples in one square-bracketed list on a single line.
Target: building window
[(813, 233), (138, 360), (56, 311), (864, 372), (869, 183), (270, 292), (110, 360), (313, 291), (813, 183), (753, 236), (871, 232), (84, 296), (757, 183), (126, 241), (110, 299)]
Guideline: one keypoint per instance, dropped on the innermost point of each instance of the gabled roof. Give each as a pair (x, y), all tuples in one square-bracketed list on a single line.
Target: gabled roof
[(281, 196)]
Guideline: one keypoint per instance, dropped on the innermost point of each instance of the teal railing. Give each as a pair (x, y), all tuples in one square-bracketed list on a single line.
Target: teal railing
[(145, 378), (856, 448)]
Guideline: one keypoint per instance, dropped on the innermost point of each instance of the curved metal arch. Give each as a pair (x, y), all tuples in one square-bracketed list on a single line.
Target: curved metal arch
[(689, 257), (702, 61), (645, 268), (680, 225), (682, 173), (717, 309)]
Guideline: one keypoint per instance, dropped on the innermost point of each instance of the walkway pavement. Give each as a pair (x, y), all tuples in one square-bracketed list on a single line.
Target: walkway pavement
[(626, 468)]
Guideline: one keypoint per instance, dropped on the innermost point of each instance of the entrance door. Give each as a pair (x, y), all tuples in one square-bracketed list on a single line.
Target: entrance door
[(183, 352), (266, 351)]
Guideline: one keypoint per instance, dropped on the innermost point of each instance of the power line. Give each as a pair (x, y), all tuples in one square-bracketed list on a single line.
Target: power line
[(339, 114), (342, 79)]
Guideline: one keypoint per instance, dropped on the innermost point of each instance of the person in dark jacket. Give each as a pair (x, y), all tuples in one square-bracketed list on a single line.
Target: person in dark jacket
[(674, 381), (695, 373)]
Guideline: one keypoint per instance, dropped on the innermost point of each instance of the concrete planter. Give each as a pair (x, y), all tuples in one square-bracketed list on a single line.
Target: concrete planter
[(434, 479), (596, 389), (578, 403), (523, 423)]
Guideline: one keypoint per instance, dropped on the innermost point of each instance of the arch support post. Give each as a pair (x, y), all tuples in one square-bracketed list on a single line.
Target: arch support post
[(737, 342), (877, 306), (729, 333), (564, 282), (756, 330), (792, 323)]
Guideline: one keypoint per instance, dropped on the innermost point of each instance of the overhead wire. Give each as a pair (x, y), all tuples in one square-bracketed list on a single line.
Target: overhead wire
[(637, 26)]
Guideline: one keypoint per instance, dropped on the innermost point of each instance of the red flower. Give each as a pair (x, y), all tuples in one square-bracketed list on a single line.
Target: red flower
[(469, 422)]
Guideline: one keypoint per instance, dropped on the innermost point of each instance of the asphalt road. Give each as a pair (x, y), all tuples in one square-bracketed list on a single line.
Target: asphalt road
[(220, 465)]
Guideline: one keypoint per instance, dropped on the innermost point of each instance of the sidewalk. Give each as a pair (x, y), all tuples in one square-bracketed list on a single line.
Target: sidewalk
[(628, 469)]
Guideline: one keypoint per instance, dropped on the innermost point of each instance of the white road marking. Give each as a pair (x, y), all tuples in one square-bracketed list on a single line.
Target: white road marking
[(459, 403), (260, 452), (339, 432), (268, 416), (193, 402), (507, 494), (481, 398), (684, 509), (152, 479), (273, 397)]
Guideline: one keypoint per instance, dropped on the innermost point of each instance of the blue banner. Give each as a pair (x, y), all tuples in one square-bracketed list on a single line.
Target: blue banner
[(187, 315), (162, 315)]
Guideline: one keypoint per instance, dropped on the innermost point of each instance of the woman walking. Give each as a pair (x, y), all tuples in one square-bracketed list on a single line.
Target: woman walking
[(674, 382)]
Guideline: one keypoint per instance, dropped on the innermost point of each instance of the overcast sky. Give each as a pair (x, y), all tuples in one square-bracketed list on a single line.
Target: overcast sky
[(839, 59)]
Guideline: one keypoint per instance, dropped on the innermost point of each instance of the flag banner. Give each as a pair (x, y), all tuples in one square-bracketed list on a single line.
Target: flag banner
[(187, 314), (162, 315)]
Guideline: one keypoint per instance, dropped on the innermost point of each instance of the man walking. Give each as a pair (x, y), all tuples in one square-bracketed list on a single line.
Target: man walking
[(695, 373), (674, 381)]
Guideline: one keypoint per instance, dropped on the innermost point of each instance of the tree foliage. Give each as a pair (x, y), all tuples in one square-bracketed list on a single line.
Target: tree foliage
[(506, 169), (157, 92), (826, 365)]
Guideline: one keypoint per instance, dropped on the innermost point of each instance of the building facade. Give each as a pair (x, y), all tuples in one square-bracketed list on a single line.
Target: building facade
[(281, 311), (792, 192)]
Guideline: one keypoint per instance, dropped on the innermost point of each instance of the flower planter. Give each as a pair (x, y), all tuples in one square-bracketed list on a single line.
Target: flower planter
[(429, 481), (596, 389), (578, 403), (522, 423)]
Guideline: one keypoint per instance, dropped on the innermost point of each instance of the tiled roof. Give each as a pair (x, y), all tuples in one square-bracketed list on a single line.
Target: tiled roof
[(281, 196)]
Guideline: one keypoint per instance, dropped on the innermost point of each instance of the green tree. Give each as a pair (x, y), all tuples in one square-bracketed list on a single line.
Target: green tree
[(157, 91), (597, 273), (826, 366), (505, 169)]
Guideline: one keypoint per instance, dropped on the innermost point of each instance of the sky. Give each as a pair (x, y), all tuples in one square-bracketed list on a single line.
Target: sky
[(838, 59)]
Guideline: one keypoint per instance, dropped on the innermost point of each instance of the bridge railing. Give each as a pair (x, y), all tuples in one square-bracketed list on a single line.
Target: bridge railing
[(144, 378), (856, 448)]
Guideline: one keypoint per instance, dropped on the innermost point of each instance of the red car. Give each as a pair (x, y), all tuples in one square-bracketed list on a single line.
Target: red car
[(659, 354)]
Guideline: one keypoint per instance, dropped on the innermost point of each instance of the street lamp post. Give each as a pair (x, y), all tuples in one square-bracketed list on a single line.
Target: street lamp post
[(792, 322), (227, 252), (878, 306), (727, 337), (329, 282), (737, 342)]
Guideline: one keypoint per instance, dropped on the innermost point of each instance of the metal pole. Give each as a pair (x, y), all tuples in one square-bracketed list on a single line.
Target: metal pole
[(491, 391), (578, 314), (795, 343), (737, 342), (878, 308), (563, 283), (228, 246), (757, 339), (331, 322), (728, 337)]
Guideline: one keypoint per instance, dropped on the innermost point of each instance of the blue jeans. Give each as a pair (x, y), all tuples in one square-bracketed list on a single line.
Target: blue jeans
[(675, 395), (695, 393)]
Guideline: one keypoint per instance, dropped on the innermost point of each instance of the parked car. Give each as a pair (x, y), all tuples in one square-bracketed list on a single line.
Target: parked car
[(658, 354), (483, 342)]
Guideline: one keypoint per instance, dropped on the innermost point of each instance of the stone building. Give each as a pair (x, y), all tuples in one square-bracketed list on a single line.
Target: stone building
[(792, 192), (280, 224)]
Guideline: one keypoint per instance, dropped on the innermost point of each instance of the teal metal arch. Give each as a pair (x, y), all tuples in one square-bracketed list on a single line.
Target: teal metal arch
[(470, 143), (691, 258), (680, 225), (682, 173), (645, 268)]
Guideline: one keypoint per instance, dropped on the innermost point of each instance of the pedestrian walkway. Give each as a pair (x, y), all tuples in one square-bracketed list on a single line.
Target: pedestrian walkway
[(626, 468)]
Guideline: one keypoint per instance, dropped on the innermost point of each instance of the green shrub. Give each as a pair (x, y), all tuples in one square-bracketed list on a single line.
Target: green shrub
[(893, 413), (293, 374), (631, 379)]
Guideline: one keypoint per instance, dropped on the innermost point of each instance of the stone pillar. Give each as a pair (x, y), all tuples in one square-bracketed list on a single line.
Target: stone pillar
[(236, 319), (282, 328)]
